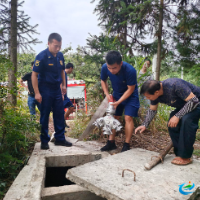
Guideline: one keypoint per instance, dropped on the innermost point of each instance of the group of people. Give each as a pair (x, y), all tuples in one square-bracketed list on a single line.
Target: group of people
[(49, 87), (184, 96)]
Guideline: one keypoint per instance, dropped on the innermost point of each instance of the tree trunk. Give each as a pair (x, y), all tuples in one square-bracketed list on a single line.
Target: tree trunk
[(12, 79), (158, 64)]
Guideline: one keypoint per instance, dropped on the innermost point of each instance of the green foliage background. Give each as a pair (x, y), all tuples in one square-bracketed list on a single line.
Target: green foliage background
[(18, 133)]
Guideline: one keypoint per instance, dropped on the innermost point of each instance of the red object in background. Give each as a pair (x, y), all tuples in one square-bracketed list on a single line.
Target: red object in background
[(75, 84)]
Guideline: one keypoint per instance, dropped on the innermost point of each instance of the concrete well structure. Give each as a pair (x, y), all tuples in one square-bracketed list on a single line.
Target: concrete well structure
[(30, 183)]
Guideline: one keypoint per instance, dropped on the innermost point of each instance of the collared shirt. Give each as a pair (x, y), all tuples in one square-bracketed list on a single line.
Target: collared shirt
[(49, 67), (127, 76), (175, 91)]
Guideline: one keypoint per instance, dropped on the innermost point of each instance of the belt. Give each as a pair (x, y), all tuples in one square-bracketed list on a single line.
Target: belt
[(31, 94)]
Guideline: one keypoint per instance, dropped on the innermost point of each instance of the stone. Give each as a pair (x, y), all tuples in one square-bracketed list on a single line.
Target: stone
[(104, 177), (195, 195)]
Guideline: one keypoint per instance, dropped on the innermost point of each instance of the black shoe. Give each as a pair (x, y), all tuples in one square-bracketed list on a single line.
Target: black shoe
[(126, 147), (109, 146), (63, 143), (44, 146)]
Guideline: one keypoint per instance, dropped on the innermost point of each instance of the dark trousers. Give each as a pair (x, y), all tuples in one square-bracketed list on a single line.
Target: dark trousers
[(51, 100), (184, 134)]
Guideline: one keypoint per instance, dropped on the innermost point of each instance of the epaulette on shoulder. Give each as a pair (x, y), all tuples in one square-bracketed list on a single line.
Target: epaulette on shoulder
[(41, 55)]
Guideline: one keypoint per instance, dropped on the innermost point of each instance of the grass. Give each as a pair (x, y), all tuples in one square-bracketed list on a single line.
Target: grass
[(79, 125), (196, 152)]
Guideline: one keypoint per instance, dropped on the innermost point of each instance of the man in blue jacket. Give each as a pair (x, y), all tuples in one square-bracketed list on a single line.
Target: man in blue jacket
[(125, 91), (48, 73)]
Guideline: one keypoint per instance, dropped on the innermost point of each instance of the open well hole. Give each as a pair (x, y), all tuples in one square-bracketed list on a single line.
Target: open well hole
[(57, 167), (55, 177)]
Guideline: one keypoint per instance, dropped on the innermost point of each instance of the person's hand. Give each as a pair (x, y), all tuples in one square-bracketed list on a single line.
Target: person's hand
[(141, 129), (64, 90), (63, 97), (115, 104), (109, 98), (38, 97), (173, 122)]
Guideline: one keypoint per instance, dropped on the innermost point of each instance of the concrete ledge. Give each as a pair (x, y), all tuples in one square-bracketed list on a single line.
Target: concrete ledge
[(71, 192), (71, 160), (29, 184)]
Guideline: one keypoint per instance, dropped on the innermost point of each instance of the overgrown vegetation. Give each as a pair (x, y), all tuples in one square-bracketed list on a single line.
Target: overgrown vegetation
[(18, 133)]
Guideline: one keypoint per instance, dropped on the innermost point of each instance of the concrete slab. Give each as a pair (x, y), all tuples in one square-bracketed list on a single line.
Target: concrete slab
[(104, 177), (75, 192), (29, 184)]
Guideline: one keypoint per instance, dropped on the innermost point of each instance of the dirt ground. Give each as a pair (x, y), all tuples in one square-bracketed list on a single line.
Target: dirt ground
[(149, 141)]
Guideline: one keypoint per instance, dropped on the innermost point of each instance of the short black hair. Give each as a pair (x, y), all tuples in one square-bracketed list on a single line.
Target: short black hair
[(32, 63), (147, 59), (55, 36), (113, 57), (69, 65), (150, 87)]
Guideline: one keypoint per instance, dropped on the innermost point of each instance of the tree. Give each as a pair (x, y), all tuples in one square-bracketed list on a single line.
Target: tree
[(187, 35), (24, 63), (187, 39), (13, 53), (143, 19), (113, 17), (15, 33)]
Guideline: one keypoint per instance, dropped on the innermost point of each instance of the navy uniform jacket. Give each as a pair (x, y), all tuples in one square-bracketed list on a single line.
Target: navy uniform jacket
[(126, 76), (49, 68)]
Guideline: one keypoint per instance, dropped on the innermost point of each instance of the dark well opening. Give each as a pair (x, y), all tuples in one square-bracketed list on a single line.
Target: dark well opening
[(55, 177)]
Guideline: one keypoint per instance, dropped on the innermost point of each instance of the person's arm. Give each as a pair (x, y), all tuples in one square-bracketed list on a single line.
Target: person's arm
[(183, 91), (126, 94), (61, 91), (152, 111), (34, 79), (192, 103), (21, 82), (64, 90), (104, 86)]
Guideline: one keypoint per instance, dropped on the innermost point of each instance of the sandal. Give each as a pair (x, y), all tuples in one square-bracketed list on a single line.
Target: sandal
[(181, 161)]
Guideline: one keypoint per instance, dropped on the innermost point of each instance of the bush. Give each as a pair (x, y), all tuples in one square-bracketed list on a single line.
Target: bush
[(79, 125), (18, 134)]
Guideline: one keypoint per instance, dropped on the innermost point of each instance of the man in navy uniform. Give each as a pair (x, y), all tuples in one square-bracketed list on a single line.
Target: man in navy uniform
[(125, 91), (48, 73), (183, 121)]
